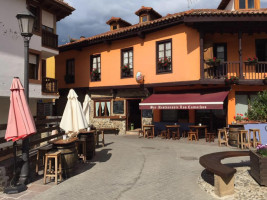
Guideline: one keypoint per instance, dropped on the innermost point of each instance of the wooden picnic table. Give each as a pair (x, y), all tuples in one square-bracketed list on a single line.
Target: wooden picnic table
[(198, 128), (168, 127)]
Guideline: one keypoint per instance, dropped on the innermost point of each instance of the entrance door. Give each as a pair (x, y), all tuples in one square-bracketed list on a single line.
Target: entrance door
[(133, 114)]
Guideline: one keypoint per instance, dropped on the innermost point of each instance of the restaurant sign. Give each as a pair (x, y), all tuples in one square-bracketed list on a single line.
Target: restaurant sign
[(182, 107)]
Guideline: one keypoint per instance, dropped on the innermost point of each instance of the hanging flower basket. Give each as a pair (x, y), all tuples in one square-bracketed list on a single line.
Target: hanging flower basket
[(231, 80), (213, 62)]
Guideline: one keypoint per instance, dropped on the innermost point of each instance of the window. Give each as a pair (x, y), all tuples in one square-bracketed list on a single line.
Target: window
[(70, 71), (241, 105), (250, 3), (102, 108), (144, 18), (175, 116), (48, 29), (95, 68), (36, 12), (114, 27), (118, 107), (220, 51), (164, 56), (33, 66), (261, 54), (246, 4), (127, 63)]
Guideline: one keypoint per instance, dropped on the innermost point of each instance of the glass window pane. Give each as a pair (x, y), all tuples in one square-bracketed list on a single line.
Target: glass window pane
[(97, 109), (168, 46), (161, 54), (130, 65), (161, 47), (241, 105), (250, 3), (220, 55), (242, 4), (125, 54), (220, 49), (131, 53), (108, 108), (98, 59), (94, 65), (94, 60), (168, 53), (125, 60)]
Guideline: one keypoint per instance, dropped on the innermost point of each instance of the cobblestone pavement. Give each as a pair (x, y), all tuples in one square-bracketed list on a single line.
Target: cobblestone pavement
[(132, 168)]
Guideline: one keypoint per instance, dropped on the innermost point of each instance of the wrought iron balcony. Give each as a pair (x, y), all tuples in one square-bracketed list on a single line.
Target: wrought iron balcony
[(49, 39), (247, 71), (49, 85)]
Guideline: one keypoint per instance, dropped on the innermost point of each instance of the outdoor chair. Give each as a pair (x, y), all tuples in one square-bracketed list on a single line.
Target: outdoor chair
[(41, 156)]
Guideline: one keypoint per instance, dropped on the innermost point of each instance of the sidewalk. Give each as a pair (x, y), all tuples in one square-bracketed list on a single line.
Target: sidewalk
[(132, 168)]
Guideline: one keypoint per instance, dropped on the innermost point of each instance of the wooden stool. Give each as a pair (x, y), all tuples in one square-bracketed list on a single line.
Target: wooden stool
[(41, 155), (140, 133), (83, 152), (222, 137), (175, 135), (191, 134), (163, 134), (184, 133), (243, 139), (149, 134), (211, 137), (58, 168), (256, 140)]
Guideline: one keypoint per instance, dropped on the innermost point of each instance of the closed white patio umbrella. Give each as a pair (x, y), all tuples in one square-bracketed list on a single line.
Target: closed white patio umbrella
[(86, 108), (73, 119)]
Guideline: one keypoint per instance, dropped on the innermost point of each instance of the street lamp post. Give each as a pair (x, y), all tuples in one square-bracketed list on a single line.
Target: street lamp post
[(26, 21)]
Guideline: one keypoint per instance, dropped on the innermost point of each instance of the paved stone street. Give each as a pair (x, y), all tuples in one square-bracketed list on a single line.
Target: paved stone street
[(132, 168)]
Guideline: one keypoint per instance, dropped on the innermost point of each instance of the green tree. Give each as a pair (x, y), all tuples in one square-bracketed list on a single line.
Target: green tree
[(257, 108)]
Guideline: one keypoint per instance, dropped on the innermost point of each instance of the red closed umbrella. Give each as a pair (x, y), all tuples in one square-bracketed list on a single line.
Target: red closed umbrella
[(20, 121)]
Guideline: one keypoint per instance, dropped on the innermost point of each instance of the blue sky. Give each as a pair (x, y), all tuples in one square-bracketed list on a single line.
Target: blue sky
[(90, 16)]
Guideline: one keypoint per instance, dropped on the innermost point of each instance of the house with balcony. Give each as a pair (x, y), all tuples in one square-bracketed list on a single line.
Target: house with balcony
[(43, 44), (217, 56)]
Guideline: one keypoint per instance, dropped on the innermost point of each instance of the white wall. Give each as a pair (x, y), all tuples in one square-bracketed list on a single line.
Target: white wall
[(11, 48), (231, 5)]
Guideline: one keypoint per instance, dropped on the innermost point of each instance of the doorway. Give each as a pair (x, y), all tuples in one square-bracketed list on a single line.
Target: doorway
[(133, 114)]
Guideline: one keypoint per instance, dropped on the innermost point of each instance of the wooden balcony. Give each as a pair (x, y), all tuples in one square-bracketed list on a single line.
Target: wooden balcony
[(247, 71), (49, 39), (49, 85)]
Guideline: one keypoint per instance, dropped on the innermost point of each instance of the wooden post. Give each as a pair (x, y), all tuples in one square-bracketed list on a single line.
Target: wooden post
[(201, 44), (240, 55)]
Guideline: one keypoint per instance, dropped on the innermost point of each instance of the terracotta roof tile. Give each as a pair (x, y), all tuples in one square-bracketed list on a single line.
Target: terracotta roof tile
[(149, 9), (117, 19), (172, 17)]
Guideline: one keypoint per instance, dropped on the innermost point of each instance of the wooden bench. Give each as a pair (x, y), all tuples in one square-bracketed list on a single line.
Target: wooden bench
[(223, 174)]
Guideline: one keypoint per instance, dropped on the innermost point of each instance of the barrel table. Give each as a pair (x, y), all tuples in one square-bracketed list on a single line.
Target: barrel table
[(89, 138), (69, 155), (233, 133)]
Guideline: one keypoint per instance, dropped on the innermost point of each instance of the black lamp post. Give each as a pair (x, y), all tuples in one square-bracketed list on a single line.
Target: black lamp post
[(26, 21)]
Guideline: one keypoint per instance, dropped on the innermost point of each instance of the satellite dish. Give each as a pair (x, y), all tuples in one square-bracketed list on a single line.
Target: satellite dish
[(139, 77)]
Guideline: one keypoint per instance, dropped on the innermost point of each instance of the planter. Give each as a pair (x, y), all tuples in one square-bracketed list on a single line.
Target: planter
[(258, 166), (95, 77), (230, 82), (216, 64), (164, 68), (251, 63)]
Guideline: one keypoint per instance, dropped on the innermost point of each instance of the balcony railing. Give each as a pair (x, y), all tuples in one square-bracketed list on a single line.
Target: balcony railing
[(250, 71), (49, 39), (49, 85)]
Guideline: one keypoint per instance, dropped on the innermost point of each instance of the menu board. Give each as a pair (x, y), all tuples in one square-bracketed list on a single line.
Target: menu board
[(118, 107), (147, 113)]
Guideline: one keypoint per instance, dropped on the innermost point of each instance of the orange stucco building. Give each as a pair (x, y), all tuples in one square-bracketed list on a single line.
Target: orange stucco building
[(172, 55)]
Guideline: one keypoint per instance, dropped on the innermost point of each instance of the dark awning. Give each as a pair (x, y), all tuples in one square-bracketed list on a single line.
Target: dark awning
[(196, 101)]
